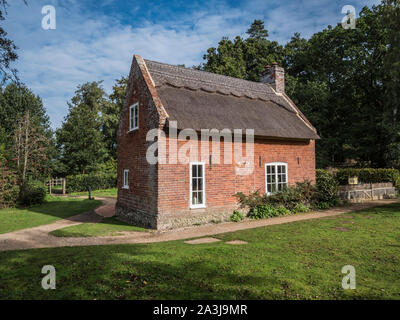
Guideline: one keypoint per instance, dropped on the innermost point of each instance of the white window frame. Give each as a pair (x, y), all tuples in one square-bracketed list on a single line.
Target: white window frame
[(134, 117), (201, 205), (125, 184), (275, 164)]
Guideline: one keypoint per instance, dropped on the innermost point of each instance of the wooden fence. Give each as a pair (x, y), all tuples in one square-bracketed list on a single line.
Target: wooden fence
[(57, 185)]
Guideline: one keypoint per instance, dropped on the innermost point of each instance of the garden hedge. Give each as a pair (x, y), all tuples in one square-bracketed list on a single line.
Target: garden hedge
[(369, 175), (96, 181)]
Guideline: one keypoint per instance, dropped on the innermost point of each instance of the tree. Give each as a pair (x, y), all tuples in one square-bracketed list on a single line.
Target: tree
[(7, 49), (111, 113), (80, 139), (30, 148), (20, 108)]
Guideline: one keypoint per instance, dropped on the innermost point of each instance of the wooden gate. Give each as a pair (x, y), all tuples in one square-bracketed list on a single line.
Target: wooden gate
[(57, 185)]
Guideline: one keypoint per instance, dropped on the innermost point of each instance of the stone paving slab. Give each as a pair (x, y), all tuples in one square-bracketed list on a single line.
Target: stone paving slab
[(202, 240)]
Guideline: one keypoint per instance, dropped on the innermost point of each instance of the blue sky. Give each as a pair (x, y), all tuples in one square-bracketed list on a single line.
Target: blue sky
[(95, 40)]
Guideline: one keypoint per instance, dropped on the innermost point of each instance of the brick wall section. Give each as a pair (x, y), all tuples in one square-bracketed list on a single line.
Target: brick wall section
[(132, 147), (222, 182)]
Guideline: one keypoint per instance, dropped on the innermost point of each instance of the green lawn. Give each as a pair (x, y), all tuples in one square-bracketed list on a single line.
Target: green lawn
[(300, 260), (111, 193), (53, 209), (108, 227)]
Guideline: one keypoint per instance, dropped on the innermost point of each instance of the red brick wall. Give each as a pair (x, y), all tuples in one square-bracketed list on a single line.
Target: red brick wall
[(222, 182), (132, 147)]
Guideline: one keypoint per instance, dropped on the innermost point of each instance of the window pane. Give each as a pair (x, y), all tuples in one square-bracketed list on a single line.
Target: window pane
[(269, 189), (268, 169), (194, 171), (199, 170), (200, 184), (194, 184), (200, 197), (283, 169), (273, 179), (272, 169), (194, 197), (273, 188), (279, 169)]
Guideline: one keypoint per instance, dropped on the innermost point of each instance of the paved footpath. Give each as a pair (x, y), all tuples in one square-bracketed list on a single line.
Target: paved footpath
[(39, 237)]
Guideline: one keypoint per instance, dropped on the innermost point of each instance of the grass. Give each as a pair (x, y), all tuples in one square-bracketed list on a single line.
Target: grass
[(299, 260), (111, 193), (53, 209), (108, 227)]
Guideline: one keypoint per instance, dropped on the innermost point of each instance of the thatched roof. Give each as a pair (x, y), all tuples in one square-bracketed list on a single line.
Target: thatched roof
[(203, 100)]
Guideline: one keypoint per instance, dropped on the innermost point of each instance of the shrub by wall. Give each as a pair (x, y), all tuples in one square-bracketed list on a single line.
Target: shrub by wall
[(326, 187), (82, 182), (369, 175)]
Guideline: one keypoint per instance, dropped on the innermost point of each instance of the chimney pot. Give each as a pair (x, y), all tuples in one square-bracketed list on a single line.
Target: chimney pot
[(275, 76)]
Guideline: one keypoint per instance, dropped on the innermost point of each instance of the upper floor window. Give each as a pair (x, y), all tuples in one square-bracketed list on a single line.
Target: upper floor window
[(134, 117), (276, 176), (197, 185)]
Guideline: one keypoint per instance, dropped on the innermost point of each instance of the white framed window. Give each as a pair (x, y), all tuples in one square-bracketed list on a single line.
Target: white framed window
[(134, 117), (125, 182), (276, 176), (197, 185)]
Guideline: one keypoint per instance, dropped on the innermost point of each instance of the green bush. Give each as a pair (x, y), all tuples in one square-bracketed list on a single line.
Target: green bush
[(237, 216), (82, 182), (326, 187), (282, 211), (300, 207), (32, 192), (369, 175), (251, 201), (263, 211), (9, 189)]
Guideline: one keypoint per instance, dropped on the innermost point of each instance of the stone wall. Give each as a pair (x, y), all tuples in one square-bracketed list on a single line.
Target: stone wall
[(367, 191)]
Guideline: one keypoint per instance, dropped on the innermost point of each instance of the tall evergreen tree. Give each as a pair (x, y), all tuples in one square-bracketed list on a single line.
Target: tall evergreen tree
[(80, 137)]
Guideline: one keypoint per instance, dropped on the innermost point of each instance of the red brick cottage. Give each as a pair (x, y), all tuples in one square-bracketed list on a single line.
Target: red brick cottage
[(167, 194)]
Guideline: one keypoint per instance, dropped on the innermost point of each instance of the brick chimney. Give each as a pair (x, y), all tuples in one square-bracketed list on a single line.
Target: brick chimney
[(275, 76)]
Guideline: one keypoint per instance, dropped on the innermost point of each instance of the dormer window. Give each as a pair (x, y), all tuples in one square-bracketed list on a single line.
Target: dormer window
[(134, 117)]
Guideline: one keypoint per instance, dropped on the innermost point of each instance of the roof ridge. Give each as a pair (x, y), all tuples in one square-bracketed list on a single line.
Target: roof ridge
[(254, 83)]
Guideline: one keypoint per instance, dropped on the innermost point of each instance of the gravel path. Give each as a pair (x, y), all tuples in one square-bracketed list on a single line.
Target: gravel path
[(38, 237)]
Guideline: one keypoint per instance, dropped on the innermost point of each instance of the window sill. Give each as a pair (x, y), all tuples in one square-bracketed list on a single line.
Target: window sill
[(202, 206), (125, 188), (132, 130)]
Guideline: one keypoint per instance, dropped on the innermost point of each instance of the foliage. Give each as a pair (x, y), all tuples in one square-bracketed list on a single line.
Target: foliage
[(25, 134), (250, 201), (263, 211), (80, 139), (300, 207), (32, 192), (9, 189), (30, 148), (7, 49), (237, 216), (326, 186), (96, 181), (369, 175), (347, 82)]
